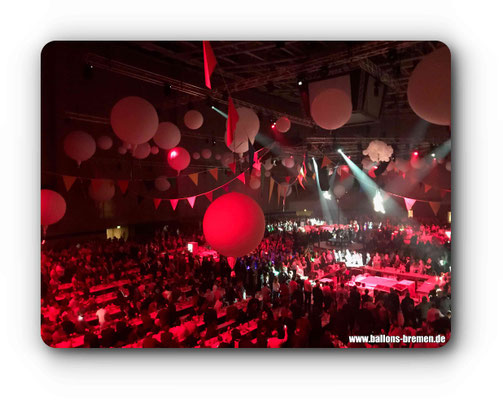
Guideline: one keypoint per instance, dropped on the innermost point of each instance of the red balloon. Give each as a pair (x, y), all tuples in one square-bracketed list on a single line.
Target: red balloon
[(234, 225), (53, 207), (178, 158)]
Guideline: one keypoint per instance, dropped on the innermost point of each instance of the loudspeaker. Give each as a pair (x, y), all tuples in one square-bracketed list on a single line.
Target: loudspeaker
[(324, 181)]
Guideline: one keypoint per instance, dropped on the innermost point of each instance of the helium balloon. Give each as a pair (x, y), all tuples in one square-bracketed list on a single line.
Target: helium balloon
[(254, 183), (196, 156), (206, 154), (178, 158), (101, 189), (134, 120), (122, 150), (234, 224), (248, 124), (53, 207), (193, 119), (267, 174), (218, 157), (79, 146), (429, 88), (331, 109), (256, 172), (167, 135), (239, 144), (339, 191), (448, 165), (154, 150), (141, 151), (288, 162), (227, 158), (283, 124), (105, 142), (162, 183), (268, 164)]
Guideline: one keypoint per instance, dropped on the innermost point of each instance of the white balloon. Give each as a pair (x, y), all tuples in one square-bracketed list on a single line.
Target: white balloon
[(254, 183), (448, 165), (283, 124), (122, 150), (193, 119), (218, 157), (227, 159), (267, 174), (331, 109), (79, 146), (105, 142), (141, 151), (288, 162), (154, 150), (248, 123), (268, 164), (196, 156), (102, 189), (134, 120), (339, 191), (167, 135), (162, 183), (206, 153), (256, 172), (378, 151)]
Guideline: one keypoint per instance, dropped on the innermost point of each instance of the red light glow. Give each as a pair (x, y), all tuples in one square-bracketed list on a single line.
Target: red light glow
[(416, 153)]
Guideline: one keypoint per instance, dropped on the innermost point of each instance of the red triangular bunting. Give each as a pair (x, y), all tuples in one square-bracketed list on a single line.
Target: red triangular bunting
[(174, 203), (191, 201), (156, 203), (210, 62), (232, 120), (68, 181), (241, 177), (426, 188), (326, 161), (409, 203), (209, 196), (214, 173), (232, 166), (123, 185), (434, 206), (287, 179)]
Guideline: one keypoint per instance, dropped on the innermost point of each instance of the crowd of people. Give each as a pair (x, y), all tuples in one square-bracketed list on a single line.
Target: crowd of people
[(162, 295)]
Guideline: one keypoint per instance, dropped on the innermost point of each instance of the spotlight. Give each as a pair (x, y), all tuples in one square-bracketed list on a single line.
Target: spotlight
[(273, 125), (416, 153), (167, 89), (339, 150), (433, 155), (327, 195), (299, 83)]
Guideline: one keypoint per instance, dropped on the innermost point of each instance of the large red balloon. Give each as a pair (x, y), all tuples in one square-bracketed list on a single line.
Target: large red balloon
[(178, 158), (234, 225), (429, 89), (53, 207)]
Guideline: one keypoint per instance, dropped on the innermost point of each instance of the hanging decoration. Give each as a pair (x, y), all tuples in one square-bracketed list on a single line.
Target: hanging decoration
[(105, 142), (156, 203), (167, 135), (191, 201), (174, 203), (141, 151), (194, 178), (79, 146), (378, 151), (68, 181), (409, 203), (178, 159), (52, 209), (123, 185), (210, 62), (193, 119)]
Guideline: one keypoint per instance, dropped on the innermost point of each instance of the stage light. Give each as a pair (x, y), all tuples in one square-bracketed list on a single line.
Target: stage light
[(433, 155), (118, 226), (299, 83), (339, 150), (416, 153), (327, 195)]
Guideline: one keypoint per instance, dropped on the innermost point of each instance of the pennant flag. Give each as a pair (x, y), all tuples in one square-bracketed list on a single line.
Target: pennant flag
[(443, 193), (314, 176), (339, 171), (299, 178), (403, 175), (326, 161), (123, 185), (241, 177), (191, 201), (271, 188), (255, 157), (68, 181), (174, 203), (232, 166), (214, 173), (209, 196), (257, 165), (232, 120), (434, 206), (156, 203), (194, 178), (426, 188), (409, 203), (210, 62), (287, 179)]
